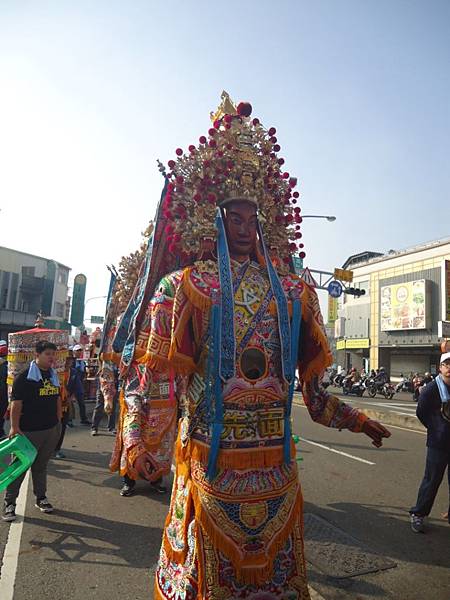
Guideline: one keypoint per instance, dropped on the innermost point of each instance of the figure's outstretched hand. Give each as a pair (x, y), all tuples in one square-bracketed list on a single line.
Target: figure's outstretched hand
[(108, 405), (376, 431), (143, 466)]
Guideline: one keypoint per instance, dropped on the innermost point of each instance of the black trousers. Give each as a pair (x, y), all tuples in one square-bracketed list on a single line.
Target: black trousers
[(3, 409), (437, 462)]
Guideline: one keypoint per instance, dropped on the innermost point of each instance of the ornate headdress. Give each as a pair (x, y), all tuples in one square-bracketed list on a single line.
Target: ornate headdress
[(237, 160)]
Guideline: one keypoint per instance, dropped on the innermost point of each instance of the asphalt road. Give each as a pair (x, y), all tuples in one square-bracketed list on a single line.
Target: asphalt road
[(100, 545), (401, 404)]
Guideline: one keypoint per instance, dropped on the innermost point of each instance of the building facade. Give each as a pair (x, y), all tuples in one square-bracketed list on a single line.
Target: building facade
[(404, 314), (30, 284)]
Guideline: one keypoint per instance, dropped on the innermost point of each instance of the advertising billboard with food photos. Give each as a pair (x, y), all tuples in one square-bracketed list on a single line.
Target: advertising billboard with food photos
[(403, 306)]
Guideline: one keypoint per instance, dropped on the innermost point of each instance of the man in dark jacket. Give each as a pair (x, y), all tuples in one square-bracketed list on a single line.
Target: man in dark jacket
[(433, 410), (76, 382)]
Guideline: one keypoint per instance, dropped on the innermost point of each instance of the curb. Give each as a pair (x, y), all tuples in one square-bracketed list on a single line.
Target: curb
[(387, 418), (314, 594)]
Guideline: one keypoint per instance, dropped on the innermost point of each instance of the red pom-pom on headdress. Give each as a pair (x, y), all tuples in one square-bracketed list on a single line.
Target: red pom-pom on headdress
[(244, 109)]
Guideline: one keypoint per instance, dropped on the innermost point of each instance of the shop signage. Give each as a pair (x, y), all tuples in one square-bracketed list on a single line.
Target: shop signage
[(332, 309), (355, 344), (78, 296), (403, 306)]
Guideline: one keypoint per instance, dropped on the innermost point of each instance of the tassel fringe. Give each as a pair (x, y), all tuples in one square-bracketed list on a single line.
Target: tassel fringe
[(234, 459), (199, 300), (253, 570)]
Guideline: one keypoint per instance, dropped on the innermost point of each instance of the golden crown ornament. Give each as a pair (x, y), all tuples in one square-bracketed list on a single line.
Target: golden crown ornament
[(238, 159)]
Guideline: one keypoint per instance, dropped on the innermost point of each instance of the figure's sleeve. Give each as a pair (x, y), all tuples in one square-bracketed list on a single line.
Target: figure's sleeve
[(182, 352), (107, 381), (137, 385), (151, 355), (314, 357)]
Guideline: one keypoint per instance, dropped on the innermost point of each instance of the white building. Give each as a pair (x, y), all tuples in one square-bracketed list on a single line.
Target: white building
[(29, 284), (400, 322)]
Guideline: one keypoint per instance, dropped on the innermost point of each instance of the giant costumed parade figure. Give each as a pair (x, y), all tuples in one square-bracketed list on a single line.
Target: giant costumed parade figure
[(148, 409), (235, 322)]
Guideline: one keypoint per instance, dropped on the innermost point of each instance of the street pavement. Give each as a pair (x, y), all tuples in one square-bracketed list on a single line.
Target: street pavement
[(401, 404), (100, 545)]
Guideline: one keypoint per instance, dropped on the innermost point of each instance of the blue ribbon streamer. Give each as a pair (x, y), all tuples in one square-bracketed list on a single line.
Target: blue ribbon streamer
[(295, 336), (283, 314), (214, 385), (227, 342)]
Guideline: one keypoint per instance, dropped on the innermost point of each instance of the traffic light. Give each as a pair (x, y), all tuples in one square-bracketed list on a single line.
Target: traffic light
[(354, 291)]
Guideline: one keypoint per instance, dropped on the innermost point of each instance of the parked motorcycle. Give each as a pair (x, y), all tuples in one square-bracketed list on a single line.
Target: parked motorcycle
[(356, 389), (385, 389), (338, 379), (405, 385)]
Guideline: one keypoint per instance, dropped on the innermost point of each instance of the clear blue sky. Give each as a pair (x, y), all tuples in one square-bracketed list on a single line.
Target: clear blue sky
[(92, 93)]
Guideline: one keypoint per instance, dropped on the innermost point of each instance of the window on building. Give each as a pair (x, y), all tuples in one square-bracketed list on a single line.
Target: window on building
[(29, 271), (14, 291), (4, 298), (362, 285), (4, 288), (62, 277), (59, 309)]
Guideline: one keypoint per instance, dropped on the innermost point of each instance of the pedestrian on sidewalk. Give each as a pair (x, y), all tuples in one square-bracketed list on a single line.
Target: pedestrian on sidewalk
[(417, 382), (433, 410), (36, 412), (76, 382), (3, 386)]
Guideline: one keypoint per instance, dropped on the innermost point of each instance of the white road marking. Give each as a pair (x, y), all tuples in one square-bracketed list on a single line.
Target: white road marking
[(363, 460), (11, 556), (404, 429)]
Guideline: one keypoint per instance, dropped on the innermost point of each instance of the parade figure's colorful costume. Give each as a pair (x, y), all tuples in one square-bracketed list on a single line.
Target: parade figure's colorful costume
[(148, 405), (236, 331)]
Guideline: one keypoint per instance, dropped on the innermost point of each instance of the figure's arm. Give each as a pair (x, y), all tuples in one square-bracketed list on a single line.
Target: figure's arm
[(108, 385), (136, 388), (314, 357), (328, 410)]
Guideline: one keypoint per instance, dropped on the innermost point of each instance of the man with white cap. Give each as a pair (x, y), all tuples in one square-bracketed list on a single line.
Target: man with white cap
[(3, 385), (433, 410)]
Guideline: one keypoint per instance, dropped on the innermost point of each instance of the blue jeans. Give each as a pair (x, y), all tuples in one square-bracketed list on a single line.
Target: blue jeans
[(437, 462)]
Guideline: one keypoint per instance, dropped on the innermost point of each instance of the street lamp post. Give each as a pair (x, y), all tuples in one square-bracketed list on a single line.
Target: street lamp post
[(88, 300), (330, 218)]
